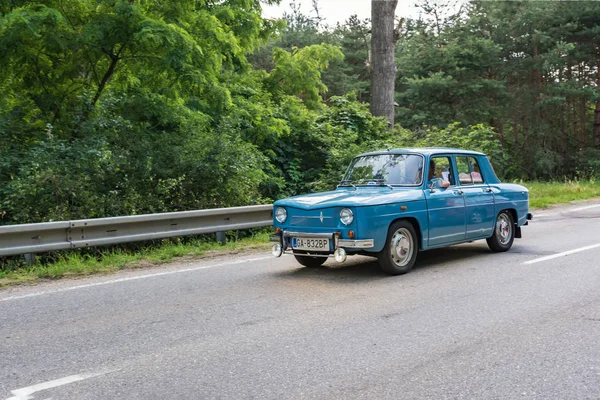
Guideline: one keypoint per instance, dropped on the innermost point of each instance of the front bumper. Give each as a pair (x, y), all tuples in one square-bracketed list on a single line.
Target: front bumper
[(283, 239)]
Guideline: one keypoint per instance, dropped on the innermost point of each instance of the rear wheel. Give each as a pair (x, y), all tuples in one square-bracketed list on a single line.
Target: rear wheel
[(504, 233), (309, 261), (401, 247)]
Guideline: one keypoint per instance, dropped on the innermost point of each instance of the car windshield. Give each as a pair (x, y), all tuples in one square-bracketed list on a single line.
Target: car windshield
[(385, 169)]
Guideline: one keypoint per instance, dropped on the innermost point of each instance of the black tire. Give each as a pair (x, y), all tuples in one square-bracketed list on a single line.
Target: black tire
[(308, 261), (401, 248), (504, 233)]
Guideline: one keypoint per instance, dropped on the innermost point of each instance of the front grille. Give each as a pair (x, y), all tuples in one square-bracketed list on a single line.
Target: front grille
[(324, 218)]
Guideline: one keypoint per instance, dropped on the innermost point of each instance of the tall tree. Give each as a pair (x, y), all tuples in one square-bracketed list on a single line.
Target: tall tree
[(383, 41), (64, 56), (355, 41)]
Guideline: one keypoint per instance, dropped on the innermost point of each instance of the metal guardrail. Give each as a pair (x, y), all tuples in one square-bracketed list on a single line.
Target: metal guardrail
[(47, 236)]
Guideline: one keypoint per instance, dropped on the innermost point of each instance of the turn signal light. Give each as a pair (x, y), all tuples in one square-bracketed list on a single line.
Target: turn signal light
[(277, 231), (351, 234)]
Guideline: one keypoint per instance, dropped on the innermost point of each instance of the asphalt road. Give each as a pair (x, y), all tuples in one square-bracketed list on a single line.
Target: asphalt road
[(465, 324)]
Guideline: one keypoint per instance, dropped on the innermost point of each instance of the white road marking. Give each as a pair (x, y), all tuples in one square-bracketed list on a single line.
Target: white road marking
[(26, 392), (543, 215), (585, 208), (133, 278), (564, 253)]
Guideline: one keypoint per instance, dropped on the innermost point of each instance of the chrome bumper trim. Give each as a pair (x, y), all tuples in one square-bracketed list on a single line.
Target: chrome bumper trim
[(356, 244)]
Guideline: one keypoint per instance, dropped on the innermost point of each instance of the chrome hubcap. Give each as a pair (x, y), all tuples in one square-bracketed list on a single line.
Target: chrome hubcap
[(503, 229), (402, 247)]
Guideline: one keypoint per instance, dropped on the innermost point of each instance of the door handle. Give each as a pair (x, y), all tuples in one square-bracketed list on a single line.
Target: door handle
[(459, 191), (487, 190)]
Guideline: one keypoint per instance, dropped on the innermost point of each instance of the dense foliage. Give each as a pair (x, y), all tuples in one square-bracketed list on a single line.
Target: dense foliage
[(528, 69), (126, 107)]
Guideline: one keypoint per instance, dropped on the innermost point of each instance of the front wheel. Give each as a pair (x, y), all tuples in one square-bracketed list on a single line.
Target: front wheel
[(401, 247), (309, 261), (504, 233)]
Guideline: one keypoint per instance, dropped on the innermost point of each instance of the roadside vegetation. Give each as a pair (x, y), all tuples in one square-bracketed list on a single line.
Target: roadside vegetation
[(123, 107), (545, 194)]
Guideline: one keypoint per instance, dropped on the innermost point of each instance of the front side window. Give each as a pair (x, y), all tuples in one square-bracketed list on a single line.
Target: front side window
[(385, 169), (469, 172), (440, 171)]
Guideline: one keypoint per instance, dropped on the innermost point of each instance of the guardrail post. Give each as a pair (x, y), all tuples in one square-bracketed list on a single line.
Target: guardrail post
[(29, 259), (221, 237)]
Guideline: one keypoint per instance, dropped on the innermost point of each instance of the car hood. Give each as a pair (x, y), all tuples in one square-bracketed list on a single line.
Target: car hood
[(361, 196)]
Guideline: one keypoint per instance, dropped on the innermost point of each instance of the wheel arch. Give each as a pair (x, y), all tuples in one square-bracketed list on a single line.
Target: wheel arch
[(415, 223), (511, 211), (513, 214), (494, 242)]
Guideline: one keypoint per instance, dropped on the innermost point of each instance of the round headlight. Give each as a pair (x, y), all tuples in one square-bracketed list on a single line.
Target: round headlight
[(346, 216), (280, 215)]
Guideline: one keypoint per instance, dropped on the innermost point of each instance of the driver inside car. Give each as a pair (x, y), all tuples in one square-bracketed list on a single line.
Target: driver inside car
[(436, 182)]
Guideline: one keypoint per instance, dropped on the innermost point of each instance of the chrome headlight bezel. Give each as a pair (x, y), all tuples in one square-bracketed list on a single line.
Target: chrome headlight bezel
[(280, 214), (346, 216)]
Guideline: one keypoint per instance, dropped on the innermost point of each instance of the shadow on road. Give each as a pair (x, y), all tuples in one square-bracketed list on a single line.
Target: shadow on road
[(357, 268), (448, 255)]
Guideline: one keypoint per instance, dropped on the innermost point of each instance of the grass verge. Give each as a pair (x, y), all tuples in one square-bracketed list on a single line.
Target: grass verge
[(77, 263), (545, 194)]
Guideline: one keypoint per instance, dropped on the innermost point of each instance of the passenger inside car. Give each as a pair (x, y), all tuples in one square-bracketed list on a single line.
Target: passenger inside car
[(476, 174)]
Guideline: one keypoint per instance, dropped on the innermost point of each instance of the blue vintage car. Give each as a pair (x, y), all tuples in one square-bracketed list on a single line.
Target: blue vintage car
[(392, 204)]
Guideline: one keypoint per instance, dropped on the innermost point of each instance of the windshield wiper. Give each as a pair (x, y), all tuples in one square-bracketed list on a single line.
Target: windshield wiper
[(381, 182), (346, 183)]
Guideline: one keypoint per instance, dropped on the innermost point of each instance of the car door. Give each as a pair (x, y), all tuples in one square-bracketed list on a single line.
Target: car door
[(479, 199), (445, 206)]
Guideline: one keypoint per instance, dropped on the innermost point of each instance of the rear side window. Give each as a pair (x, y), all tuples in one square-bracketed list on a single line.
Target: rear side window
[(469, 172)]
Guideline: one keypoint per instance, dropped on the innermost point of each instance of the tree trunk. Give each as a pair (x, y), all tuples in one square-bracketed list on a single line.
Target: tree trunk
[(571, 136), (597, 110), (107, 75), (383, 43), (583, 126), (597, 125), (515, 129)]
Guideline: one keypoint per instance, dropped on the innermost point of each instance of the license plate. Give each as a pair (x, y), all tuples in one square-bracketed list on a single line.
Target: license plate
[(310, 244)]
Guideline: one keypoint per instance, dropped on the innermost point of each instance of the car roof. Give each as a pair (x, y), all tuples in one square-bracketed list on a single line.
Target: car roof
[(424, 151)]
